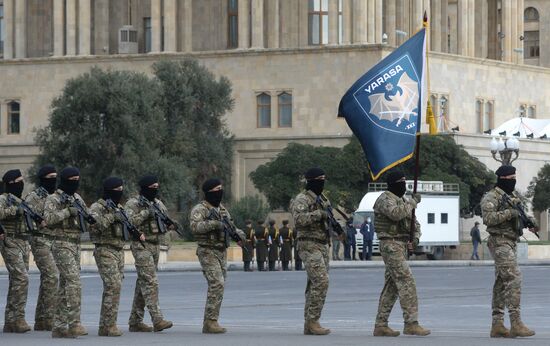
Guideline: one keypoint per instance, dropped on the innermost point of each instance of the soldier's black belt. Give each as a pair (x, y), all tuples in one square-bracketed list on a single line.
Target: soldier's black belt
[(18, 236), (395, 238), (315, 240)]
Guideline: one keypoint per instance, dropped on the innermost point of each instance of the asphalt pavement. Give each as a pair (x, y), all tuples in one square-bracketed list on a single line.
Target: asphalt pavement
[(267, 309)]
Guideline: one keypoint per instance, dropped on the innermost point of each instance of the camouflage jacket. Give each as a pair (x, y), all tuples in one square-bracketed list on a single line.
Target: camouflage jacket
[(208, 229), (11, 216), (59, 218), (392, 217), (310, 217), (498, 215), (108, 230), (144, 219), (36, 199)]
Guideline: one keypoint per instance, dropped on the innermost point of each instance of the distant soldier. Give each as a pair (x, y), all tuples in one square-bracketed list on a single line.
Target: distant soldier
[(15, 249), (41, 246), (503, 224), (261, 234), (392, 218), (273, 243), (62, 218), (208, 228), (287, 238), (308, 209), (146, 256), (249, 245), (108, 238)]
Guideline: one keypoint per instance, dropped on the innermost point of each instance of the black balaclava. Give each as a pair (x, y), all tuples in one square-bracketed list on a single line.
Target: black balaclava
[(109, 185), (315, 185), (507, 185), (396, 187), (272, 223), (48, 184), (212, 197), (146, 191), (69, 186), (15, 189)]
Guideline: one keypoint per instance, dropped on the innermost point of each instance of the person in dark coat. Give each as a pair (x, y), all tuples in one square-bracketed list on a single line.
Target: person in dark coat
[(286, 237), (350, 248), (261, 234), (249, 245), (273, 242), (367, 230), (476, 240)]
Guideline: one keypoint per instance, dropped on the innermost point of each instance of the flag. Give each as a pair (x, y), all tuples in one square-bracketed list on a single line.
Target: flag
[(384, 107)]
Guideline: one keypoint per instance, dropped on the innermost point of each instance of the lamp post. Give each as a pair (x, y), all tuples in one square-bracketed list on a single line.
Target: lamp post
[(505, 148)]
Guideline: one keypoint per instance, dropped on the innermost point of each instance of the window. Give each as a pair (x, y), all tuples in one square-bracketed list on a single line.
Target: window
[(147, 34), (2, 29), (488, 116), (431, 218), (233, 24), (318, 22), (531, 15), (13, 117), (531, 44), (285, 110), (264, 110), (479, 115), (444, 218), (531, 111)]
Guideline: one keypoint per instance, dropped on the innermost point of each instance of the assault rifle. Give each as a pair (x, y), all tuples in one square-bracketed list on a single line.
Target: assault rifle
[(83, 216), (333, 224), (229, 229), (524, 220), (127, 227), (29, 214), (161, 218)]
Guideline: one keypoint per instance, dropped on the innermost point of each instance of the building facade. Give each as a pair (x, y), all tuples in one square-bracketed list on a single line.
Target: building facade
[(290, 61)]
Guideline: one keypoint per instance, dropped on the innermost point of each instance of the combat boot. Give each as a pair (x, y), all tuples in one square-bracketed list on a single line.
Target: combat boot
[(385, 331), (42, 326), (78, 330), (521, 330), (140, 328), (415, 329), (9, 327), (62, 333), (21, 326), (212, 327), (314, 328), (162, 325), (109, 331), (498, 330)]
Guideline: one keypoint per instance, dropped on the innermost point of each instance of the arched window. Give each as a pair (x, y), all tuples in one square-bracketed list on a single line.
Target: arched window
[(318, 22), (14, 117), (531, 35), (531, 14), (285, 110), (263, 110)]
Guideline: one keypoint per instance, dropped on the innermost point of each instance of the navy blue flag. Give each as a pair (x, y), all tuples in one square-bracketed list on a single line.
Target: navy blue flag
[(384, 107)]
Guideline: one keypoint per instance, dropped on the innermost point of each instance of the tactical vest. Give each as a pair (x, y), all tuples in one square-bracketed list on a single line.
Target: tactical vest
[(14, 225), (386, 227), (509, 228), (69, 226), (110, 236), (150, 226), (215, 239), (316, 230), (38, 200)]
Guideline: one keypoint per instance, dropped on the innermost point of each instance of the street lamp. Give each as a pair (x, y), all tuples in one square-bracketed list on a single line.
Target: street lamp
[(505, 148)]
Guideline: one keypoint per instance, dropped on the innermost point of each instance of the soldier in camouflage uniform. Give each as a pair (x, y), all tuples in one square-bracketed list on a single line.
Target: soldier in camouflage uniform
[(504, 228), (62, 219), (287, 238), (392, 217), (261, 234), (273, 254), (208, 228), (41, 246), (109, 239), (14, 246), (146, 257), (249, 245), (310, 219)]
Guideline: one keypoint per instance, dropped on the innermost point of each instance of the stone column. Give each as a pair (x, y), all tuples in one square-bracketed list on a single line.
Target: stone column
[(493, 48), (435, 25), (378, 23), (472, 27), (444, 26), (258, 24), (188, 25), (521, 29), (84, 27), (58, 29), (156, 25), (20, 29), (462, 27), (506, 29), (8, 25), (417, 15), (70, 15), (370, 20), (481, 29), (101, 27), (390, 15), (274, 23), (360, 21), (303, 25), (244, 23), (514, 29), (347, 21), (170, 26), (333, 22)]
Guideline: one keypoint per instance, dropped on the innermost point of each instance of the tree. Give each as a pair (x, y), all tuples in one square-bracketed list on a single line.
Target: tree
[(539, 189), (248, 207)]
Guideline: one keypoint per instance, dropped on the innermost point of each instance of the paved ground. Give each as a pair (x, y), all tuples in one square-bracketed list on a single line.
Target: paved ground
[(267, 309)]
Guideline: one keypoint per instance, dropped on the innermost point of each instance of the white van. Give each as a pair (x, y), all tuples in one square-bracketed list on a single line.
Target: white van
[(437, 213)]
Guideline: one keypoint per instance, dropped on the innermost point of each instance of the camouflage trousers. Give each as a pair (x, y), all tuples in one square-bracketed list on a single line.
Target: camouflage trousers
[(507, 287), (43, 257), (398, 283), (16, 257), (110, 264), (147, 285), (69, 290), (316, 260), (214, 268)]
